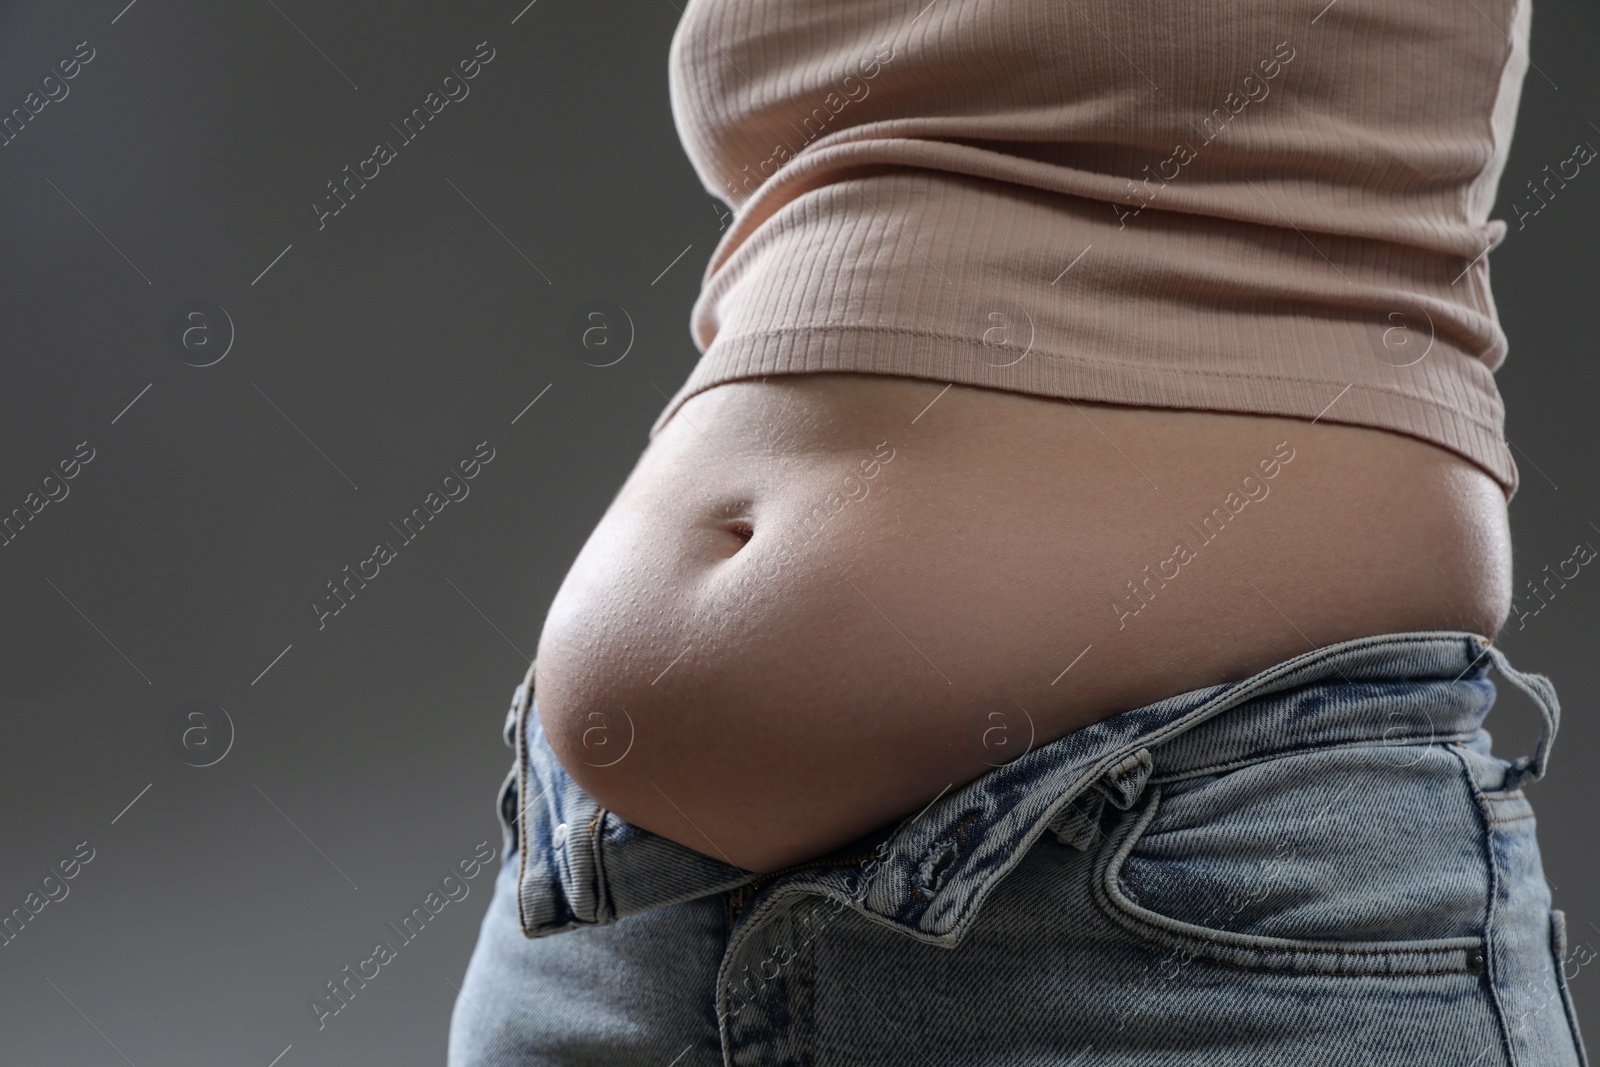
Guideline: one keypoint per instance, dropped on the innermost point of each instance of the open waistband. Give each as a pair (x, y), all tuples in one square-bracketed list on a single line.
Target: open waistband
[(930, 877), (930, 872)]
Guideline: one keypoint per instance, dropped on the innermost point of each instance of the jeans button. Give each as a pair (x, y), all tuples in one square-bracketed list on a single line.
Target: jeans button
[(559, 836)]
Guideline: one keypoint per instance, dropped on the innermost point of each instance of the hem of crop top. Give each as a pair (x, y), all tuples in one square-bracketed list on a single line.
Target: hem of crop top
[(941, 357)]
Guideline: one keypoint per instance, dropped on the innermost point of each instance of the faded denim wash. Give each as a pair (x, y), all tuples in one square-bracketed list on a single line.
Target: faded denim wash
[(1321, 864)]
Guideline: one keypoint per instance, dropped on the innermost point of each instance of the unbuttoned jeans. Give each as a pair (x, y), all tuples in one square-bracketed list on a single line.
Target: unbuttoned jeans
[(1321, 864)]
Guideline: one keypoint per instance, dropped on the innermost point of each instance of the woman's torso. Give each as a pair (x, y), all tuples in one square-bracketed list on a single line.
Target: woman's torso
[(822, 597)]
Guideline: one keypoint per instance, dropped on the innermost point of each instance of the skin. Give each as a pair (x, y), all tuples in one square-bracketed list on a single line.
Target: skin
[(811, 609)]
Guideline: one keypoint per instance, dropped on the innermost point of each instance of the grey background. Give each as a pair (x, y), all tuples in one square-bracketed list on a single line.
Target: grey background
[(368, 360)]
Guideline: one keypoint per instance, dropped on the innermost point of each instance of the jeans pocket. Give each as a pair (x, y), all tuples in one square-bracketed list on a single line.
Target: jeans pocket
[(1355, 860)]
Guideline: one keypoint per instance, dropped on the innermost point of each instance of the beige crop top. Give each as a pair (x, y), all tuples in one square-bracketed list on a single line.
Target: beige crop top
[(1267, 206)]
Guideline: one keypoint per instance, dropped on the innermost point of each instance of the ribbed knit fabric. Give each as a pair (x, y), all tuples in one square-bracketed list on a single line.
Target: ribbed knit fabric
[(1267, 206)]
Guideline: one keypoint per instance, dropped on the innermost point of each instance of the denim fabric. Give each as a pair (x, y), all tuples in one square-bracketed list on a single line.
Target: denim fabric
[(1323, 863)]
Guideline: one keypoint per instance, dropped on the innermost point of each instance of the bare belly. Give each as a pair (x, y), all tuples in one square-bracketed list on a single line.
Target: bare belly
[(818, 601)]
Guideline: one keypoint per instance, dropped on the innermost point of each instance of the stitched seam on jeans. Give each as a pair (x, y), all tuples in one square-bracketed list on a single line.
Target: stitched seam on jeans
[(1206, 936), (522, 818), (1559, 954), (602, 896), (1202, 936), (811, 994), (1493, 878), (1512, 818), (1334, 952), (1247, 761), (1337, 974)]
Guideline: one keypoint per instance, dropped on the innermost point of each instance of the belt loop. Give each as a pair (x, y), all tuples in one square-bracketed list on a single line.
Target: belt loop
[(517, 727), (1123, 783), (519, 703), (1543, 693)]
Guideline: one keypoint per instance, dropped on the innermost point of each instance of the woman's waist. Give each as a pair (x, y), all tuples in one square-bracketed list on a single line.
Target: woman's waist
[(1105, 514), (945, 576)]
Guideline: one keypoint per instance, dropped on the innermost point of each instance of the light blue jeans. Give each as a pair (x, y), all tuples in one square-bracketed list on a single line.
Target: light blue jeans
[(1322, 864)]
